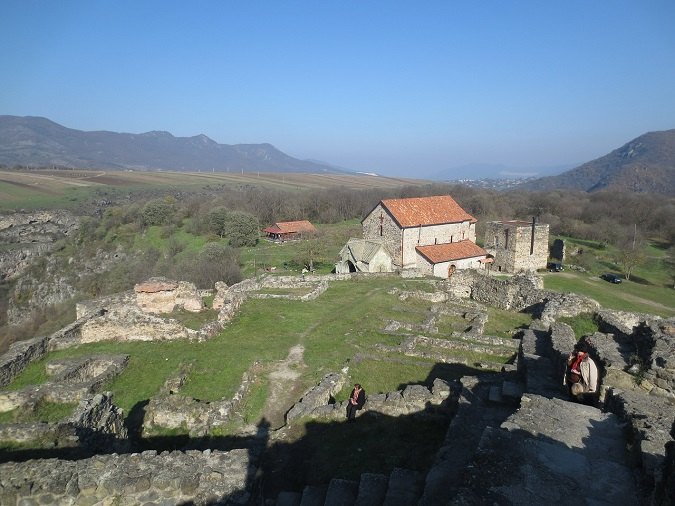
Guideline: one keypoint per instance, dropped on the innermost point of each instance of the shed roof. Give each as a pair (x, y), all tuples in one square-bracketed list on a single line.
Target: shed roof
[(416, 211), (438, 253), (365, 249), (290, 227)]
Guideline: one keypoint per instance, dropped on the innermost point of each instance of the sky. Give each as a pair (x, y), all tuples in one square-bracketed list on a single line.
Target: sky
[(400, 88)]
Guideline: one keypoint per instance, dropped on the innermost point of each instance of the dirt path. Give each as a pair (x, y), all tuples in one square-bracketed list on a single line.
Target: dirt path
[(284, 389)]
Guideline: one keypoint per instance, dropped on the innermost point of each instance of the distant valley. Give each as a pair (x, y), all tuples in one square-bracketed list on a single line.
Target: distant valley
[(644, 165)]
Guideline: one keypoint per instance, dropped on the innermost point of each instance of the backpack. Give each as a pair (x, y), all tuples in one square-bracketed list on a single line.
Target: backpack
[(573, 370)]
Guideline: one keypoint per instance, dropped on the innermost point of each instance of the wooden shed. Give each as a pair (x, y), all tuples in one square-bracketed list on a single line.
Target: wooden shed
[(289, 230)]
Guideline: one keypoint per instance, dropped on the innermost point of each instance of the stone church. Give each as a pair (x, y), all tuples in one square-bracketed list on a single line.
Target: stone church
[(433, 235)]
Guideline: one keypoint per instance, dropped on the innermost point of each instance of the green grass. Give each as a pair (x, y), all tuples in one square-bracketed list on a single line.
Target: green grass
[(346, 320), (503, 323), (45, 411), (627, 296), (583, 324), (191, 320), (284, 291), (598, 258)]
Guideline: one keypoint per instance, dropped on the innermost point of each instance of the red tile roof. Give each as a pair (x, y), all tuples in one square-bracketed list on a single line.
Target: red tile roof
[(437, 253), (418, 211), (290, 227)]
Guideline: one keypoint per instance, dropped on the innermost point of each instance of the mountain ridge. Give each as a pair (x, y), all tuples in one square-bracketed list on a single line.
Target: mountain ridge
[(645, 164), (38, 141)]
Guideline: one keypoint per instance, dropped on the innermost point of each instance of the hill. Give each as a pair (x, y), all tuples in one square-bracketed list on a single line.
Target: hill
[(39, 142), (645, 164)]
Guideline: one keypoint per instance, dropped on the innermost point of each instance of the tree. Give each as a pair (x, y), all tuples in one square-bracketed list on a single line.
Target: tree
[(218, 221), (157, 212), (631, 254), (242, 229), (669, 263), (312, 250), (215, 262)]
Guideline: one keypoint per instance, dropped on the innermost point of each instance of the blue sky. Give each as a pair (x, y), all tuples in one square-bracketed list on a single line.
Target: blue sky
[(398, 88)]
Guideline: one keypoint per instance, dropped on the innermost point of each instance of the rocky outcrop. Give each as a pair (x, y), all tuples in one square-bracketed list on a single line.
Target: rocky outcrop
[(31, 235), (32, 294)]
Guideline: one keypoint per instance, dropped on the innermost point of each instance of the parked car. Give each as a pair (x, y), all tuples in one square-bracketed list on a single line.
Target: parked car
[(555, 267), (612, 278)]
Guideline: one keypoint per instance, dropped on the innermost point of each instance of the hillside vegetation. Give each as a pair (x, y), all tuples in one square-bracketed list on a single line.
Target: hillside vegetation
[(174, 225), (645, 165)]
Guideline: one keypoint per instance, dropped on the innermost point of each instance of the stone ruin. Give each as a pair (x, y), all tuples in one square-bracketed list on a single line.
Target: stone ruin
[(510, 419), (159, 295)]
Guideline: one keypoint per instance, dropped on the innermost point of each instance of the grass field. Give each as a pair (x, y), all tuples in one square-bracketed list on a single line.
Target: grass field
[(69, 189), (649, 290)]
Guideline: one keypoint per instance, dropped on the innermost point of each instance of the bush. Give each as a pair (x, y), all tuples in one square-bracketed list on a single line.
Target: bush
[(157, 212), (242, 229), (215, 262)]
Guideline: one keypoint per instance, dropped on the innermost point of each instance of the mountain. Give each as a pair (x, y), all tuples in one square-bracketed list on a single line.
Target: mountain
[(645, 164), (35, 141)]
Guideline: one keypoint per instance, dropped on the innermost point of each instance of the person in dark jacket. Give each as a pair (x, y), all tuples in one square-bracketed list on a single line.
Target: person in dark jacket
[(356, 401)]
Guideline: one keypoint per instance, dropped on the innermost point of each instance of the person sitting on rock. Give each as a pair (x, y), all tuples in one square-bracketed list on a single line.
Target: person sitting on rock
[(581, 373), (356, 401)]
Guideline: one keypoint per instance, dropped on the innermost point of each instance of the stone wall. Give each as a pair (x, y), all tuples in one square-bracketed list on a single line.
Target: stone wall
[(161, 295), (515, 293), (510, 243), (524, 292), (95, 425), (22, 353), (171, 410), (71, 380), (318, 402), (192, 477)]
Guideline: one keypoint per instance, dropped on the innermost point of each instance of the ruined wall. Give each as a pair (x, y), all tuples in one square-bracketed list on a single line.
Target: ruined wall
[(172, 410), (414, 399), (510, 242), (22, 353), (161, 295), (192, 477), (515, 293)]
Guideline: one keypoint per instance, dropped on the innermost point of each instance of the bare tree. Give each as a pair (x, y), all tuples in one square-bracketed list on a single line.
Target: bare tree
[(631, 254)]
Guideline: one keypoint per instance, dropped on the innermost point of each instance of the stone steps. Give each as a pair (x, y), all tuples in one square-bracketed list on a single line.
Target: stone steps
[(403, 487), (475, 412), (546, 449)]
